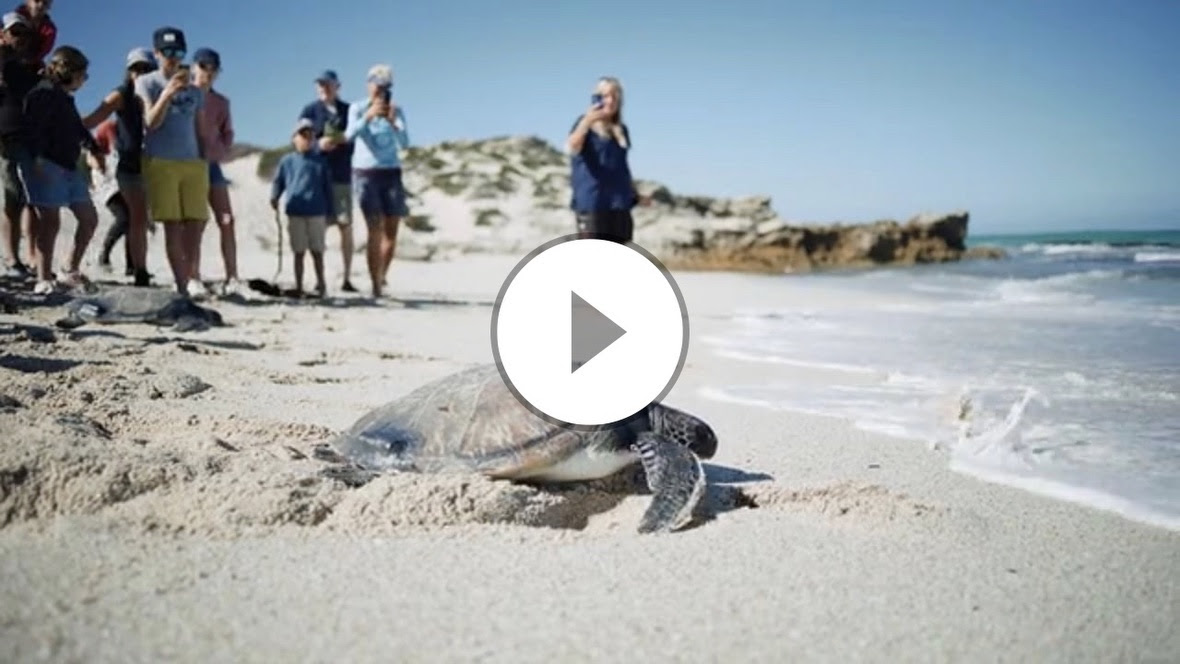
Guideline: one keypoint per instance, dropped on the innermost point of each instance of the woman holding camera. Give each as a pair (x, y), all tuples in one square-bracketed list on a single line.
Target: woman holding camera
[(603, 191), (377, 129)]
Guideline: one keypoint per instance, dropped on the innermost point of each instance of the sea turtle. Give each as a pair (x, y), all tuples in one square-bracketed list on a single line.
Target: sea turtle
[(126, 304), (470, 421)]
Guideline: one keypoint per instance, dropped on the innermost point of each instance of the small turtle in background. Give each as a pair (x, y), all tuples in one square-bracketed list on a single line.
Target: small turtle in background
[(471, 421), (126, 304)]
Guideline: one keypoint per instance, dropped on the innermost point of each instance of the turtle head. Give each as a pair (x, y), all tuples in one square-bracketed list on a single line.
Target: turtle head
[(688, 430)]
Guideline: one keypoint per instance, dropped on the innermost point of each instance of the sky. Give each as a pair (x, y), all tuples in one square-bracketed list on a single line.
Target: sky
[(1031, 115)]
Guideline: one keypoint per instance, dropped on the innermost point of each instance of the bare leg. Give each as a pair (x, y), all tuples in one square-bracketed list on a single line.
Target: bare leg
[(373, 251), (87, 218), (48, 222), (389, 245), (193, 230), (174, 246), (223, 216), (317, 261), (136, 226), (28, 220), (347, 248), (11, 233), (299, 271), (193, 251)]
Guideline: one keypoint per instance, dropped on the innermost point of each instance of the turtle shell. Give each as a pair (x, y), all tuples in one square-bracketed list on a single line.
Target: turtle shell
[(467, 420)]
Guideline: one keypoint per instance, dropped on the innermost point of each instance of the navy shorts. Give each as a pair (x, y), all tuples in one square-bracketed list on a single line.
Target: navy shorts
[(380, 192), (216, 177)]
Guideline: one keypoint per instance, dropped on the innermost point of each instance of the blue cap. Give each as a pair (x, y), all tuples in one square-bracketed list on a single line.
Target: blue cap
[(207, 56), (327, 76)]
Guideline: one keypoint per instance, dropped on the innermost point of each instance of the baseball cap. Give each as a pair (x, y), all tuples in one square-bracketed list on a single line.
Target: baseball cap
[(381, 75), (13, 18), (327, 76), (168, 37), (140, 56), (207, 56), (304, 123)]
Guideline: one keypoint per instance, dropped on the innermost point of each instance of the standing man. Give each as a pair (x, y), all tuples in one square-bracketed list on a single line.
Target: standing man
[(329, 117), (44, 37), (218, 132), (36, 12), (19, 75), (175, 172)]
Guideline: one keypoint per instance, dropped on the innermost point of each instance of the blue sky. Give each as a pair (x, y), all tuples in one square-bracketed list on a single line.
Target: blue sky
[(1033, 115)]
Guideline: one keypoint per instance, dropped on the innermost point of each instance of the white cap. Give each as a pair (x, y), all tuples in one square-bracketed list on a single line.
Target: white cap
[(13, 18), (381, 75), (140, 56)]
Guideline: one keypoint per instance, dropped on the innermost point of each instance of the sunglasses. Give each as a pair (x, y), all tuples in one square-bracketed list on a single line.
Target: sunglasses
[(141, 68), (172, 53)]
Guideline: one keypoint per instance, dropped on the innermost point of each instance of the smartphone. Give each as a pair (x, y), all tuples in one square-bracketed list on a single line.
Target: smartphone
[(386, 93), (185, 73), (596, 99)]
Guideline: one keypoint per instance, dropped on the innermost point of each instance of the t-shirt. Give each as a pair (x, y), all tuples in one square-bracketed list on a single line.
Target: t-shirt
[(331, 120), (129, 137), (175, 137), (600, 176)]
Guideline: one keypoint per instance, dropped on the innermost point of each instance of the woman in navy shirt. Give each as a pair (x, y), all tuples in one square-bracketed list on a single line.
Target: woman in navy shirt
[(603, 192)]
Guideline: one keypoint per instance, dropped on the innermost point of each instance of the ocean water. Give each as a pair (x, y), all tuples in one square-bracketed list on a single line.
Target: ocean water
[(1056, 370)]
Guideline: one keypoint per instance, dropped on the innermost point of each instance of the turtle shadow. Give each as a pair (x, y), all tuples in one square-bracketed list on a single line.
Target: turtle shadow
[(718, 474)]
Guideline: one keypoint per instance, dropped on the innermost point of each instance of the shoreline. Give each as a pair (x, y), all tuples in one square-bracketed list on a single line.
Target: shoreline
[(196, 508)]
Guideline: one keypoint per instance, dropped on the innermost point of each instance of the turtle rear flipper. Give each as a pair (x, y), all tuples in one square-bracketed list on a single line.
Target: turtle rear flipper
[(70, 321), (676, 480)]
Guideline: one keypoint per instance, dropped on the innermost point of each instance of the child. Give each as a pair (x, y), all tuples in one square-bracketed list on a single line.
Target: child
[(106, 191), (52, 179), (304, 176)]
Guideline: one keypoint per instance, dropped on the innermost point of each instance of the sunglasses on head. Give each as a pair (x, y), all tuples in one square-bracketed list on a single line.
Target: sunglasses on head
[(172, 53)]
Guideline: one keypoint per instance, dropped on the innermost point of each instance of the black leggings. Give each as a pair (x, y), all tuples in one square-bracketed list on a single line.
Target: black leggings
[(613, 225), (122, 214)]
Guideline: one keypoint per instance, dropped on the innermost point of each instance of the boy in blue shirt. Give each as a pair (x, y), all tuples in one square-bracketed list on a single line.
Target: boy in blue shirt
[(305, 177)]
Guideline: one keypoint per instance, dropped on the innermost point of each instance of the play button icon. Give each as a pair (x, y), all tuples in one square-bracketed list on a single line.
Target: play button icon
[(590, 331), (587, 332)]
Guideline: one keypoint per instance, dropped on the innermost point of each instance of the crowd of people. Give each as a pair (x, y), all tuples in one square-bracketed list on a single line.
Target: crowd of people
[(152, 151)]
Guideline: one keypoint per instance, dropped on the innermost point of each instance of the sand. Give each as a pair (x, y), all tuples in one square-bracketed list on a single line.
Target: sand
[(160, 501)]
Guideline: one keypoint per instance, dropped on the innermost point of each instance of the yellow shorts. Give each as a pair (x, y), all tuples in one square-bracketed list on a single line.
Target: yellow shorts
[(176, 190)]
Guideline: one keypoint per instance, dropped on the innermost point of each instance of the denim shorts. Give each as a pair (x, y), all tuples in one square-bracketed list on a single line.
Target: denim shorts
[(379, 191), (216, 177), (48, 185)]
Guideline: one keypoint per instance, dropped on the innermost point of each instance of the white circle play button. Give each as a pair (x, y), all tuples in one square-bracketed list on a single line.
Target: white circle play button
[(588, 332)]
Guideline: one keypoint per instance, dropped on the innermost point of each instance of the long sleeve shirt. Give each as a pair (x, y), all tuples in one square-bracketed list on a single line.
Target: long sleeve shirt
[(55, 129), (376, 142), (306, 179), (19, 77), (218, 124)]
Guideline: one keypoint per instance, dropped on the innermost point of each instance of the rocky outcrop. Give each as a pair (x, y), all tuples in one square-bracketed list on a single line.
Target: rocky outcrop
[(510, 194), (777, 245)]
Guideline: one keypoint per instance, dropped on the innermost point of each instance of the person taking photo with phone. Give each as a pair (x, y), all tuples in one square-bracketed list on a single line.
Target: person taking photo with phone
[(377, 128), (600, 175), (175, 173)]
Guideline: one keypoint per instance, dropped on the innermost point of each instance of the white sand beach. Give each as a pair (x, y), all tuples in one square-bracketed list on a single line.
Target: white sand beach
[(159, 502)]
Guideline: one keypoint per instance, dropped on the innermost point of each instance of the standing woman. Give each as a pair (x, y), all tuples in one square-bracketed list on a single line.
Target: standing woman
[(377, 129), (218, 139), (603, 191), (129, 113), (52, 178)]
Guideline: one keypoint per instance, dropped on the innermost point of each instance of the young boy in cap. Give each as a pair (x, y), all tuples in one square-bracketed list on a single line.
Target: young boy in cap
[(218, 132), (305, 176)]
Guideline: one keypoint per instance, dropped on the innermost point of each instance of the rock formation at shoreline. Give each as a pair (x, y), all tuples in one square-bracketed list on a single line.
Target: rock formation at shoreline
[(509, 194)]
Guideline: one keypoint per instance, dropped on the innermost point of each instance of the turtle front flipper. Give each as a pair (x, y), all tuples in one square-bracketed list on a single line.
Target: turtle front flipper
[(676, 480)]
